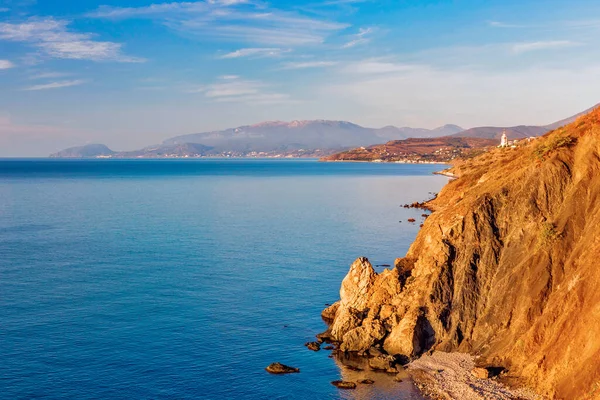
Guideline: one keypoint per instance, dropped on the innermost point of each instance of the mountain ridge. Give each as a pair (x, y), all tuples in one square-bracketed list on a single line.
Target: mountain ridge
[(299, 138), (302, 138), (520, 131)]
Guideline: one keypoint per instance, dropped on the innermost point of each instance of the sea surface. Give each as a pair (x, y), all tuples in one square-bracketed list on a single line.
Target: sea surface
[(184, 279)]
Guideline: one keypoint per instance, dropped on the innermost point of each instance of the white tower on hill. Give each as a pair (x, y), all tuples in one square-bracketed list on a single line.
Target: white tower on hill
[(504, 140)]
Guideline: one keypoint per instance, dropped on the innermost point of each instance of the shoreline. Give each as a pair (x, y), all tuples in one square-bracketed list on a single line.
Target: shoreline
[(454, 376), (386, 162)]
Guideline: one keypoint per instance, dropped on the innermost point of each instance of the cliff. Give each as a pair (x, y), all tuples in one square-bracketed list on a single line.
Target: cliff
[(505, 268)]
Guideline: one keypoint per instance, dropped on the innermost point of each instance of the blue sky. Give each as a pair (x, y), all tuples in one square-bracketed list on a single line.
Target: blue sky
[(130, 73)]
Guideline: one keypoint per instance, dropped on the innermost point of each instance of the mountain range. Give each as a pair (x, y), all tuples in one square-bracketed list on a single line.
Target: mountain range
[(520, 131), (315, 138)]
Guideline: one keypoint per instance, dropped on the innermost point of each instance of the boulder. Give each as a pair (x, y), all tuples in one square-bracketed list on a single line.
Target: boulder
[(364, 337), (278, 368), (344, 384), (480, 373), (376, 351), (403, 339), (314, 346), (383, 363)]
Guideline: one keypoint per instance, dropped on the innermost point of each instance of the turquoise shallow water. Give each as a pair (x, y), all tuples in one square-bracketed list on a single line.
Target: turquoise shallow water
[(185, 279)]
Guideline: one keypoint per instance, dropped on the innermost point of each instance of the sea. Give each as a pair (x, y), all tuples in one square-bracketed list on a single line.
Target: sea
[(184, 279)]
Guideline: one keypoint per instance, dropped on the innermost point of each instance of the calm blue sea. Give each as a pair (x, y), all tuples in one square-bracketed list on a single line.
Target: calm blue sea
[(184, 279)]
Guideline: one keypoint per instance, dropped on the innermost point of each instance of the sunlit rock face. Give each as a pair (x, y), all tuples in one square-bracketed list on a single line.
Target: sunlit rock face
[(504, 268)]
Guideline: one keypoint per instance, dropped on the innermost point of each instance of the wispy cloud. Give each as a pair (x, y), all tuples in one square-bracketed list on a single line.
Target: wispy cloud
[(256, 52), (54, 39), (308, 64), (55, 85), (526, 47), (360, 38), (234, 89), (235, 20), (377, 67), (48, 75), (499, 24), (4, 9), (5, 64), (330, 3)]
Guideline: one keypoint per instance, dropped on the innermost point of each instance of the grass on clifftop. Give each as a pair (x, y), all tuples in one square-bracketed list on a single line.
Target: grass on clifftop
[(551, 144)]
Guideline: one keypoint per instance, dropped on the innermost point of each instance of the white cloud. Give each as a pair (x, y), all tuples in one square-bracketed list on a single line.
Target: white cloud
[(55, 85), (5, 64), (360, 38), (235, 20), (233, 89), (526, 47), (256, 52), (53, 38), (309, 64), (4, 9), (428, 96)]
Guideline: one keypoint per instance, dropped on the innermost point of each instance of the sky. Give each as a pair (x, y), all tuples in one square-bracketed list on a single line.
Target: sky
[(131, 73)]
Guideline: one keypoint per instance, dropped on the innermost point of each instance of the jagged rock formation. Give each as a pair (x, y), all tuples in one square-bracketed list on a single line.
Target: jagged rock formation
[(506, 267)]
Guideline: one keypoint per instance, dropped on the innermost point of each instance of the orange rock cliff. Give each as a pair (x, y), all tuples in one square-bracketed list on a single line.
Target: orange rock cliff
[(507, 267)]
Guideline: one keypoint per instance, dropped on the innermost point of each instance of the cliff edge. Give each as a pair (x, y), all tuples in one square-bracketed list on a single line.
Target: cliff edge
[(506, 268)]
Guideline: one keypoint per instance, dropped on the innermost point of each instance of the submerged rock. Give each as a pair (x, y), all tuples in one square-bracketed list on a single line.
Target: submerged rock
[(383, 363), (366, 381), (278, 368)]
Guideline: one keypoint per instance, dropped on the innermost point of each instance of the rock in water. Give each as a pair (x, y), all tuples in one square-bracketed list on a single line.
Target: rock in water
[(367, 381), (278, 368), (383, 363), (344, 384), (314, 346)]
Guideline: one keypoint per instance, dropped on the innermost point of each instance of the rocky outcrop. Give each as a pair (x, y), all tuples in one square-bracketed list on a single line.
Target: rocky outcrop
[(505, 268), (279, 369)]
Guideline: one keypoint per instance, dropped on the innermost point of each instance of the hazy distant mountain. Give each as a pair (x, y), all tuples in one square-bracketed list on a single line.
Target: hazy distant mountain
[(168, 150), (308, 135), (300, 139), (87, 151), (296, 138), (518, 132)]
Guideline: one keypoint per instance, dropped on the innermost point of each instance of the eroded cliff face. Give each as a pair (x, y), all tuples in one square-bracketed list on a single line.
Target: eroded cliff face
[(507, 267)]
